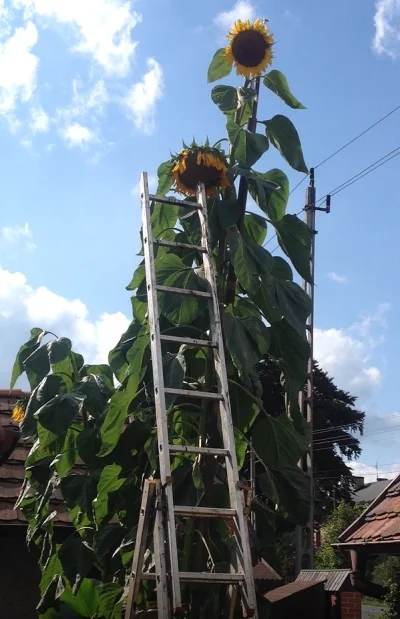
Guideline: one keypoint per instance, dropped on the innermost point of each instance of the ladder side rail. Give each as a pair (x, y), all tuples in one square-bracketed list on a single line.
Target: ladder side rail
[(140, 547), (163, 605), (159, 393), (236, 495)]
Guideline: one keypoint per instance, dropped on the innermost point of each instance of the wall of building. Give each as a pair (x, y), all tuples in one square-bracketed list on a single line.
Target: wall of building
[(19, 577)]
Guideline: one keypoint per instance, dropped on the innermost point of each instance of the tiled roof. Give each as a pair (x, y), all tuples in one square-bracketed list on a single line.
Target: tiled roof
[(380, 522), (333, 579), (12, 472)]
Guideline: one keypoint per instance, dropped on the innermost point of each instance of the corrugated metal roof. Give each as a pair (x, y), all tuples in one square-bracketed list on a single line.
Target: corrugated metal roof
[(367, 494), (334, 579), (263, 571), (381, 520)]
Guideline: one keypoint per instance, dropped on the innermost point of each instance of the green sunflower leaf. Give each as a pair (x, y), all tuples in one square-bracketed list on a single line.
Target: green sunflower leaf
[(272, 201), (277, 82), (283, 135), (295, 239), (230, 100), (219, 67), (247, 147), (165, 179)]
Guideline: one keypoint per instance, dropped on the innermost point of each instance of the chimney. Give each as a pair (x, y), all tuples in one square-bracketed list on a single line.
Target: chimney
[(359, 482)]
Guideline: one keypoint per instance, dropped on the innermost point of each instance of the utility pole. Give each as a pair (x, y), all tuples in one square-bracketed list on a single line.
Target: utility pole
[(305, 535)]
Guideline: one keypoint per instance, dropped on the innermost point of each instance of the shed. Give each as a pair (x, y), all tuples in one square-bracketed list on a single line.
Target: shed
[(297, 599), (340, 594)]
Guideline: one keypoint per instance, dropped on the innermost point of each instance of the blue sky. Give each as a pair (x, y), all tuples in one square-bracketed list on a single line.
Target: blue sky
[(93, 92)]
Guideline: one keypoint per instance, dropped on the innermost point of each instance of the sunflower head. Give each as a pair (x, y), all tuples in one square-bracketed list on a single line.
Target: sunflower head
[(200, 164), (249, 48), (18, 413)]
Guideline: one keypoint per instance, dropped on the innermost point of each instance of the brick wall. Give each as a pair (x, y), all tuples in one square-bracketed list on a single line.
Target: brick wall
[(351, 605)]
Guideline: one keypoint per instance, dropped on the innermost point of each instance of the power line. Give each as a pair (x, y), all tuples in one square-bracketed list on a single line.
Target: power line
[(367, 465), (397, 436), (342, 148), (344, 425), (338, 438)]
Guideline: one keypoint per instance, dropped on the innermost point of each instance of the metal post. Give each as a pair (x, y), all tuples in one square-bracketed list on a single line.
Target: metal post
[(305, 535)]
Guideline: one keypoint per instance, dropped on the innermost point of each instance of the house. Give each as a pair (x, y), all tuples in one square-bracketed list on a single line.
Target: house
[(376, 532), (364, 493)]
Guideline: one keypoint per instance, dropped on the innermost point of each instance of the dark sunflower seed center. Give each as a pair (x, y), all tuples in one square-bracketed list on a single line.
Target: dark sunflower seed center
[(195, 174), (249, 47)]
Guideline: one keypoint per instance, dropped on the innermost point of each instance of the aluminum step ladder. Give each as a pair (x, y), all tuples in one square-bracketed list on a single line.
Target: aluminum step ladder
[(158, 494)]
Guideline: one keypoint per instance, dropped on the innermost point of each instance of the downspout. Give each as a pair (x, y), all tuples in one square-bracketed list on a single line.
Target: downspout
[(357, 577)]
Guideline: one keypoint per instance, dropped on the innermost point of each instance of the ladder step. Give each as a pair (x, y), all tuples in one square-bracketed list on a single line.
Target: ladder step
[(174, 201), (204, 512), (213, 577), (185, 291), (188, 340), (198, 248), (206, 451), (207, 395)]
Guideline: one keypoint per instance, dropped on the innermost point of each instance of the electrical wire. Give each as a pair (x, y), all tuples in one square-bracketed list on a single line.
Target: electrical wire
[(342, 148), (344, 425), (339, 437)]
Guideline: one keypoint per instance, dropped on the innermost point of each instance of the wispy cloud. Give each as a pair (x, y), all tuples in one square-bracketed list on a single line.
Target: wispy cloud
[(243, 9), (78, 135), (141, 100), (339, 279), (18, 234), (40, 121), (387, 28)]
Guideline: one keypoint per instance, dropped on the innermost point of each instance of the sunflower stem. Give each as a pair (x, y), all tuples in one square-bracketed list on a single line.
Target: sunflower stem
[(242, 199)]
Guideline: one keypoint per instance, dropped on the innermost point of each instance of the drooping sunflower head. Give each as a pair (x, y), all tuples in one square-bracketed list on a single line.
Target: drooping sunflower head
[(250, 47), (200, 164), (18, 413)]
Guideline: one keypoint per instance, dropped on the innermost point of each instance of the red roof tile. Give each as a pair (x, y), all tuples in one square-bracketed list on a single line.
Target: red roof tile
[(12, 472), (380, 522)]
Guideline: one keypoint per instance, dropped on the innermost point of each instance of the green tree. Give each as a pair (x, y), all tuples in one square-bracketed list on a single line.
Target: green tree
[(342, 516), (78, 412), (335, 419)]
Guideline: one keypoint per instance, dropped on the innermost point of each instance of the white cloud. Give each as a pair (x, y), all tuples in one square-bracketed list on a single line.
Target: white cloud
[(40, 121), (103, 28), (387, 28), (370, 473), (15, 234), (23, 307), (243, 10), (346, 354), (141, 100), (78, 135), (335, 277), (18, 68), (91, 102)]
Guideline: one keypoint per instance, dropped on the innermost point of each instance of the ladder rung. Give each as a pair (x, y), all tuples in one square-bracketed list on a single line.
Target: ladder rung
[(188, 340), (192, 449), (207, 395), (201, 577), (186, 291), (204, 512), (198, 248), (173, 201)]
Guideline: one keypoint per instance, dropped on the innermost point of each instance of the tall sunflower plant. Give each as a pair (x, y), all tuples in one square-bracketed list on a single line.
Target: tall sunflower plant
[(93, 426)]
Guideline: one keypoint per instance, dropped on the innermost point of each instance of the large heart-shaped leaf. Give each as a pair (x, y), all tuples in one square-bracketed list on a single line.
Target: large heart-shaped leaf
[(246, 336), (219, 66), (291, 300), (58, 414), (24, 352), (247, 148), (76, 558), (165, 179), (283, 135), (163, 219), (45, 391), (289, 488), (255, 227), (277, 441), (179, 309), (109, 482), (272, 201), (277, 82), (295, 239)]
